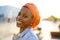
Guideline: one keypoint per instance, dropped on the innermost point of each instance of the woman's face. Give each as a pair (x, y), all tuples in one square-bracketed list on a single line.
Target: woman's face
[(24, 18)]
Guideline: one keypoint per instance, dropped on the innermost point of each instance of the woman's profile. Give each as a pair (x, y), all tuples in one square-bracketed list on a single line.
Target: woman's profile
[(28, 18)]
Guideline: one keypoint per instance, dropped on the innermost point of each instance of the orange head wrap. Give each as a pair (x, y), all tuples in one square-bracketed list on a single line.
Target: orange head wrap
[(34, 12)]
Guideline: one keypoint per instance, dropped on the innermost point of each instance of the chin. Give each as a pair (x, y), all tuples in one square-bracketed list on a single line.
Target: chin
[(18, 25)]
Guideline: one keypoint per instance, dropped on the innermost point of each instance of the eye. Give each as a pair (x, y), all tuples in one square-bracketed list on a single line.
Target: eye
[(25, 16)]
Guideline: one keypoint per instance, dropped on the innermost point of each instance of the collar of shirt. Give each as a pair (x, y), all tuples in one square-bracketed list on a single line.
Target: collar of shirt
[(24, 32)]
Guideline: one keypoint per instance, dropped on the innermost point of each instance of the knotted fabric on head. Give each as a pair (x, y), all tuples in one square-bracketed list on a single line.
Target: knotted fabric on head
[(34, 12)]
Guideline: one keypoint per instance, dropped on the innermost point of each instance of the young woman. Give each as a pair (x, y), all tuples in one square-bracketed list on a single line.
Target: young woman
[(28, 18)]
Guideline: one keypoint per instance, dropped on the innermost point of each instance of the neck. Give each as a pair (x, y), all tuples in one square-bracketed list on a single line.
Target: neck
[(23, 28)]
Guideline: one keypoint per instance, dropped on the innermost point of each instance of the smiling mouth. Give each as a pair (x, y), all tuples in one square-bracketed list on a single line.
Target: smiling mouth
[(18, 22)]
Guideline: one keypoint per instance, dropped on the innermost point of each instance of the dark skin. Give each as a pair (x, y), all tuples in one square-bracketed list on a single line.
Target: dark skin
[(24, 19)]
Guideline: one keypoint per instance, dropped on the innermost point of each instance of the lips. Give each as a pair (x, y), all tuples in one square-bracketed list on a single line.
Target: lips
[(19, 22)]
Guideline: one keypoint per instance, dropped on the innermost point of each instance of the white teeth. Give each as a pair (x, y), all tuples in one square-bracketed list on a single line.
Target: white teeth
[(19, 22)]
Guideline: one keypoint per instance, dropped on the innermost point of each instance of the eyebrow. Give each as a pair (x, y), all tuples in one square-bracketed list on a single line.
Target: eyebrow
[(25, 7)]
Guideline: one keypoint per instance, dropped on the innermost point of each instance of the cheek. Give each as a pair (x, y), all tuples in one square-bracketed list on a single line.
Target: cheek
[(26, 20)]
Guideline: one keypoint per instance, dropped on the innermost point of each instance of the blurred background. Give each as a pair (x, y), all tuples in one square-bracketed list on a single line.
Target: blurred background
[(7, 21), (48, 28)]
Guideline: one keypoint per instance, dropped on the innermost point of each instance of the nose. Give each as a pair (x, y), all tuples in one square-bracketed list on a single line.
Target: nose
[(18, 18)]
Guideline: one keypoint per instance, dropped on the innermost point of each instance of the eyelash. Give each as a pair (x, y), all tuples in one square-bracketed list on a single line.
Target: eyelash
[(25, 16)]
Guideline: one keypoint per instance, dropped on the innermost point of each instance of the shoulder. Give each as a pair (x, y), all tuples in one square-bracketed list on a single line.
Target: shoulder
[(31, 36)]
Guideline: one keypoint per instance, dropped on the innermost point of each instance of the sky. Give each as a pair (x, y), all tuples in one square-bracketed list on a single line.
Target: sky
[(46, 7)]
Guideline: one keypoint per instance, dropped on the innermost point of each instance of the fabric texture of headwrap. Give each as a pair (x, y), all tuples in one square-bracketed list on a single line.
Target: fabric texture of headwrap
[(34, 12)]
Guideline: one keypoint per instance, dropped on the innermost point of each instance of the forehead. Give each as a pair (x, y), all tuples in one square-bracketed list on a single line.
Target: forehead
[(26, 11)]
